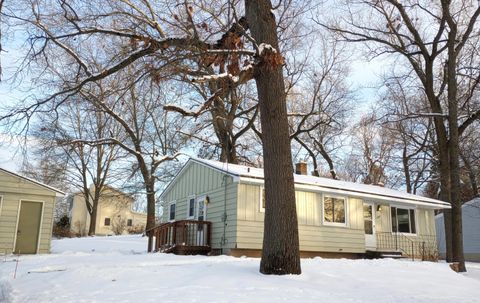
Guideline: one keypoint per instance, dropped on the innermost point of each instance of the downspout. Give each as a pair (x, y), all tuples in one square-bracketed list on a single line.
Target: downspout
[(224, 241)]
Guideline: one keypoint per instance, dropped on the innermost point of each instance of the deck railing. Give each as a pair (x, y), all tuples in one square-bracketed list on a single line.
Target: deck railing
[(422, 247), (184, 233)]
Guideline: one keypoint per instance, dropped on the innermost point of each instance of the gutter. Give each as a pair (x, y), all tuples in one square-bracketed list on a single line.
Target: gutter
[(321, 189)]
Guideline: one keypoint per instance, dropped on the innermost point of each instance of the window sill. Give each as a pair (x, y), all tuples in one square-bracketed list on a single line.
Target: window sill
[(404, 234), (335, 224)]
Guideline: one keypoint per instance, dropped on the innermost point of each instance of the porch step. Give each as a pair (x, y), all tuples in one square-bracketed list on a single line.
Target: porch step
[(375, 254)]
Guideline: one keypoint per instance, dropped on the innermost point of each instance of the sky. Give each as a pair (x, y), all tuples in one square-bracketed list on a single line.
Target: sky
[(363, 77)]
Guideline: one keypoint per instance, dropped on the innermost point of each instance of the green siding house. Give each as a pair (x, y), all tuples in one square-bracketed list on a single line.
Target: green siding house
[(336, 218)]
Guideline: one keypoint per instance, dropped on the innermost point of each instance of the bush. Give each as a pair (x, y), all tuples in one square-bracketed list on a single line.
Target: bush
[(137, 229), (61, 232), (63, 222)]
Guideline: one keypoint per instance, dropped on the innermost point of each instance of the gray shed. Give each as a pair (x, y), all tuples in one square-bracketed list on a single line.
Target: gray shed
[(471, 231)]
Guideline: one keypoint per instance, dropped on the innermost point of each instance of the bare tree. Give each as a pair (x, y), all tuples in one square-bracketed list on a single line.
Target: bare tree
[(139, 38), (62, 135), (434, 39), (320, 104), (412, 136)]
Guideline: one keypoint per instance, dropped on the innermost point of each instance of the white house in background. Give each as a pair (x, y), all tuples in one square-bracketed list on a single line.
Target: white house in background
[(471, 231), (335, 218), (114, 214)]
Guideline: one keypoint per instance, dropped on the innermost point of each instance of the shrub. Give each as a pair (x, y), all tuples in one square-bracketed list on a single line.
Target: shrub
[(61, 228)]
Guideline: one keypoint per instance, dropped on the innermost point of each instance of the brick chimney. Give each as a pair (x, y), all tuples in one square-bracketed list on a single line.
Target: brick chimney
[(301, 168)]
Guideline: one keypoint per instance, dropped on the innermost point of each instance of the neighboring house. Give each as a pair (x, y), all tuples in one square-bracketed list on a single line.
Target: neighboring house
[(470, 227), (335, 218), (26, 214), (114, 214)]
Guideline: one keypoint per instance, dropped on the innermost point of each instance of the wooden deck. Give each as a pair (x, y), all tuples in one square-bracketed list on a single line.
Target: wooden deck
[(185, 237)]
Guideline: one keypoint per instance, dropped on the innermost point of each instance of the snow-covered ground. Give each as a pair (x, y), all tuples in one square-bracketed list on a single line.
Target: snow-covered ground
[(118, 269)]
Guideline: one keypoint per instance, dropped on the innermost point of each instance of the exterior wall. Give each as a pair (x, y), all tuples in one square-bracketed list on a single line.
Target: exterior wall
[(314, 235), (197, 180), (112, 204), (470, 227), (425, 231), (79, 217), (12, 190)]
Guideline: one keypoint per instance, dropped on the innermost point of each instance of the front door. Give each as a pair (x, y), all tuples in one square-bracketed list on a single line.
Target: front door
[(201, 216), (28, 228), (369, 223)]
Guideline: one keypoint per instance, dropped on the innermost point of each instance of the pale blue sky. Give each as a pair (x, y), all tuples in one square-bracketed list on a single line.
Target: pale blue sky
[(363, 75)]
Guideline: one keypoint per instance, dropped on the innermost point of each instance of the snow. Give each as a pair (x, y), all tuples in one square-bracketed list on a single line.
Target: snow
[(264, 47), (118, 269), (326, 183)]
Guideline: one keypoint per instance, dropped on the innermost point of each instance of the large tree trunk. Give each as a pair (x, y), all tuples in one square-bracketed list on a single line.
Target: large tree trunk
[(453, 150), (93, 218), (150, 188), (280, 253)]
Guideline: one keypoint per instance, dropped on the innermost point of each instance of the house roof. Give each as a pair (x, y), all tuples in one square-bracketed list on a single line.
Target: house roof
[(245, 173), (472, 204), (61, 193)]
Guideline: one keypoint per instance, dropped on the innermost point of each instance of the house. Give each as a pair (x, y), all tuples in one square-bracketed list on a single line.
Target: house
[(114, 214), (335, 218), (470, 227), (26, 214)]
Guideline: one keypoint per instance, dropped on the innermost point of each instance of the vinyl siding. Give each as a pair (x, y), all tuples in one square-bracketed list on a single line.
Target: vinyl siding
[(198, 180), (424, 218), (470, 228), (313, 234), (14, 189), (425, 230)]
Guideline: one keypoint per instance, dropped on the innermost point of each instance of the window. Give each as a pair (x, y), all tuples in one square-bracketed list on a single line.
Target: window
[(334, 210), (107, 222), (262, 199), (129, 222), (191, 208), (403, 220), (171, 213)]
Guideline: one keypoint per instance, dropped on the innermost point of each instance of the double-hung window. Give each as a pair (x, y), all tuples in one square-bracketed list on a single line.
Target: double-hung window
[(334, 210), (191, 208), (171, 211), (403, 220)]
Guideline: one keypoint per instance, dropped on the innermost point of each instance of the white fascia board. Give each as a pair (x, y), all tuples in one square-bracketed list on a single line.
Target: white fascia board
[(320, 189)]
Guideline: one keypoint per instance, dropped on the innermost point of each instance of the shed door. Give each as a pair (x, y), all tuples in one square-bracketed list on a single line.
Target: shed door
[(28, 228)]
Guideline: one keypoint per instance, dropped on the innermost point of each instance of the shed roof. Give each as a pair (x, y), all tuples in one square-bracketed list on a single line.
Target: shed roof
[(57, 191), (373, 191)]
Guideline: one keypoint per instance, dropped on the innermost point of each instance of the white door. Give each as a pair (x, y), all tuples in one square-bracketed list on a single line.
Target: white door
[(201, 216), (369, 223)]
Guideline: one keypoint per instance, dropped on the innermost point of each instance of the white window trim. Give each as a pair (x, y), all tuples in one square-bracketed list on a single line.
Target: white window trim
[(168, 213), (346, 211), (260, 200), (188, 207), (18, 219), (415, 212), (1, 204)]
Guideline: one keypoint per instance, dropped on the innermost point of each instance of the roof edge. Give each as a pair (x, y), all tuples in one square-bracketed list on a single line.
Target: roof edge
[(61, 193)]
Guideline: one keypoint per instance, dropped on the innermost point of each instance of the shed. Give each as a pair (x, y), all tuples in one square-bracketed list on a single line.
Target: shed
[(26, 214), (470, 228)]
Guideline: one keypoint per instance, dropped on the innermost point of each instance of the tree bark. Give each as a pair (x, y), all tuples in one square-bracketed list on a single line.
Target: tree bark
[(93, 218), (280, 253), (453, 149)]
